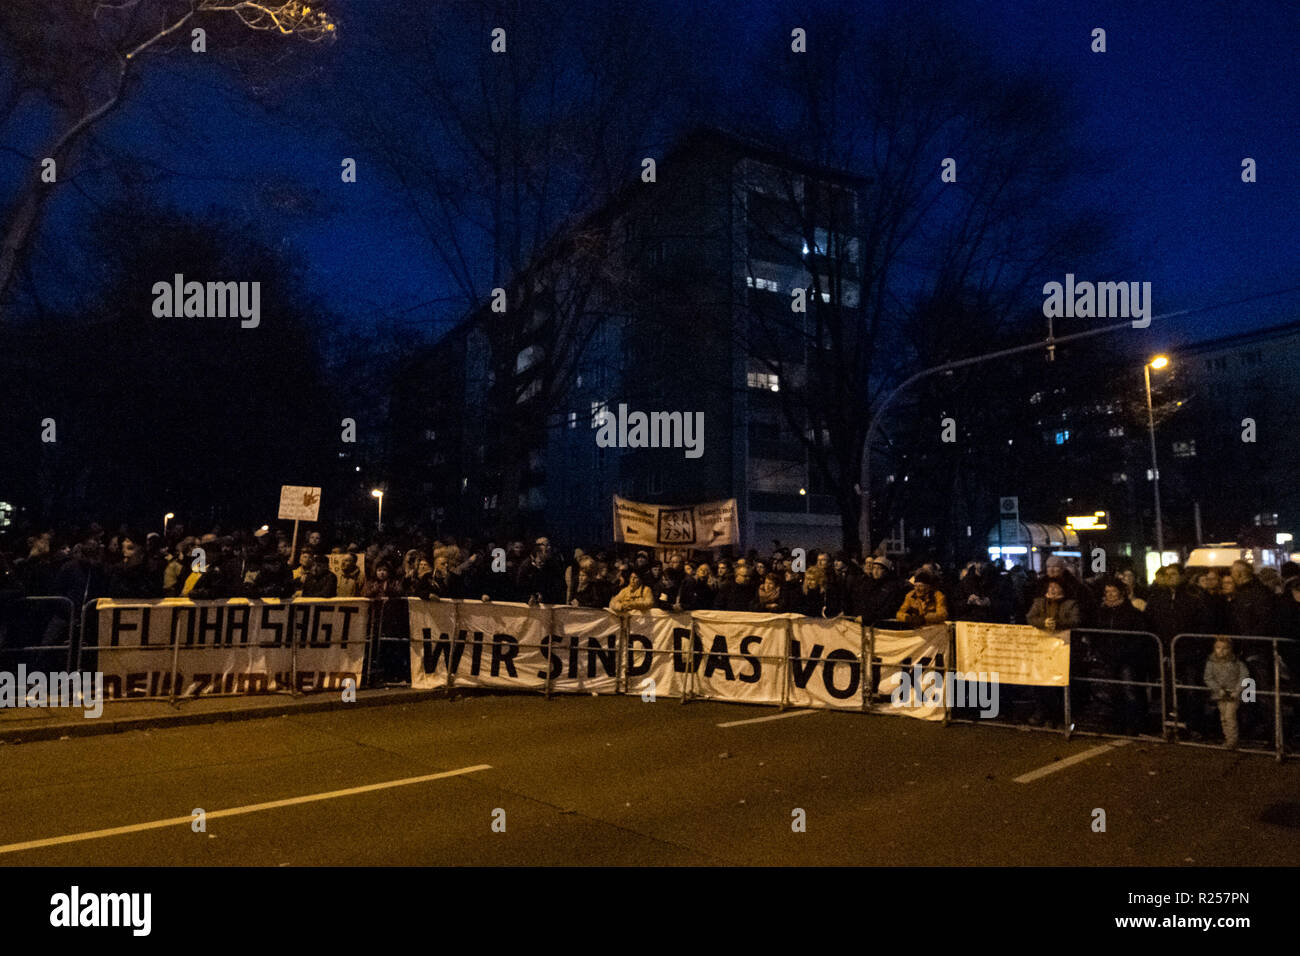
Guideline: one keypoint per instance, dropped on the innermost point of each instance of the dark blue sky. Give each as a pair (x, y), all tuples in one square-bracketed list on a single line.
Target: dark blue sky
[(1183, 93)]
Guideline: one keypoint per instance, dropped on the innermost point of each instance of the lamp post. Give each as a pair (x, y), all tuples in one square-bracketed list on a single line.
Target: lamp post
[(379, 495), (863, 488), (167, 517), (1157, 363)]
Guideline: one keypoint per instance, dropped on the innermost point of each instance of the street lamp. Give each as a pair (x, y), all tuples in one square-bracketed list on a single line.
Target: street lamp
[(167, 517), (379, 495), (1159, 362)]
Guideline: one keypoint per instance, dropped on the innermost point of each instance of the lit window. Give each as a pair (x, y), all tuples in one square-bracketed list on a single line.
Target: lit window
[(764, 380), (1062, 437), (573, 419), (598, 412), (1185, 449), (430, 435), (767, 285), (1117, 432)]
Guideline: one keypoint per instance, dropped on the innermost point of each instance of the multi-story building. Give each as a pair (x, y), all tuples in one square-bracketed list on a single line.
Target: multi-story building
[(673, 297)]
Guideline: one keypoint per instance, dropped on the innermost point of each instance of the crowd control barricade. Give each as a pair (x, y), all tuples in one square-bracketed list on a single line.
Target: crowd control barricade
[(738, 656), (510, 646), (909, 671), (1273, 689), (1035, 662), (35, 631), (658, 654), (177, 648), (1116, 677)]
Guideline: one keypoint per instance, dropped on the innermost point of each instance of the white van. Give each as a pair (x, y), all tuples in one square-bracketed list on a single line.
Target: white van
[(1219, 557)]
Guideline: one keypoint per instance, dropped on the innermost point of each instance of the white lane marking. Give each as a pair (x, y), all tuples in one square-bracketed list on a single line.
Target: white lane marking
[(236, 811), (759, 720), (1070, 761)]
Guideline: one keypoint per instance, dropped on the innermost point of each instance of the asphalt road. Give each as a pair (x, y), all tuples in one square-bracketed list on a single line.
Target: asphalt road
[(620, 781)]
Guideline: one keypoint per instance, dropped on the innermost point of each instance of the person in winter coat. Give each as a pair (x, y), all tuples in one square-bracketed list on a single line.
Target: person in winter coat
[(1125, 657), (1224, 675), (1054, 611), (635, 597), (878, 594), (696, 593), (1252, 611), (925, 603)]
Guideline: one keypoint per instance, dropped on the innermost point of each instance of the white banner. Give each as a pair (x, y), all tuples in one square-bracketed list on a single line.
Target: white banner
[(718, 655), (738, 656), (903, 655), (502, 644), (714, 524), (658, 647), (826, 663), (1017, 653), (299, 503), (237, 646)]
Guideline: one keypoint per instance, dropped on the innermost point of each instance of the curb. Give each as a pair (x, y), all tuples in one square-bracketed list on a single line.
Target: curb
[(94, 728)]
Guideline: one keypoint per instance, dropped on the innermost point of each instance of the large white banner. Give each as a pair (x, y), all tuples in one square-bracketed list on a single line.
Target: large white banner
[(503, 644), (1017, 653), (714, 524), (719, 655), (236, 646)]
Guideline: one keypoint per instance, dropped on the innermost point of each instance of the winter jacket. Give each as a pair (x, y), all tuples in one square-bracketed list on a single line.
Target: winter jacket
[(932, 610), (1224, 677), (1065, 613)]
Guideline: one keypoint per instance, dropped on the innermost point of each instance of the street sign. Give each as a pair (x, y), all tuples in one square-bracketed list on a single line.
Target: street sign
[(1008, 520), (298, 503), (1097, 521)]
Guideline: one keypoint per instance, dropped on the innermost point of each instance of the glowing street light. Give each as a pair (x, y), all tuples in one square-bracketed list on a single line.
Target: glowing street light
[(1159, 362), (379, 496), (167, 517)]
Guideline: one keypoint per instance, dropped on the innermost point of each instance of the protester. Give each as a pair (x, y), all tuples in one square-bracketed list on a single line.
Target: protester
[(925, 603), (635, 597)]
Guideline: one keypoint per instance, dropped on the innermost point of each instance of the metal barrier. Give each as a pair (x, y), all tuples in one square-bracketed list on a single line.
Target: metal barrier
[(28, 633), (1081, 676), (781, 661), (1097, 656), (1111, 663), (1274, 669)]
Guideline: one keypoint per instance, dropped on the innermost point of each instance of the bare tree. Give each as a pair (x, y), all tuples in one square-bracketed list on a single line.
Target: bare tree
[(506, 148), (900, 264), (79, 61)]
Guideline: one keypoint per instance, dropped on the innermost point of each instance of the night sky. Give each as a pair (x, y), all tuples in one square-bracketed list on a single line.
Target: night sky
[(1183, 93)]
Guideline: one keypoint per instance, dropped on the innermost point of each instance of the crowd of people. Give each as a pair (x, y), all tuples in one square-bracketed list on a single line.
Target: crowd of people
[(126, 564), (96, 563)]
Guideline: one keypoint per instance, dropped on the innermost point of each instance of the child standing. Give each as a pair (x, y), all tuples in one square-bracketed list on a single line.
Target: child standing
[(1224, 674)]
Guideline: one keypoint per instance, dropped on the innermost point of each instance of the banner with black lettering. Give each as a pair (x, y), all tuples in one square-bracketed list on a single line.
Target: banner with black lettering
[(826, 663), (713, 524), (658, 650), (235, 646), (509, 645), (738, 656), (910, 661)]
